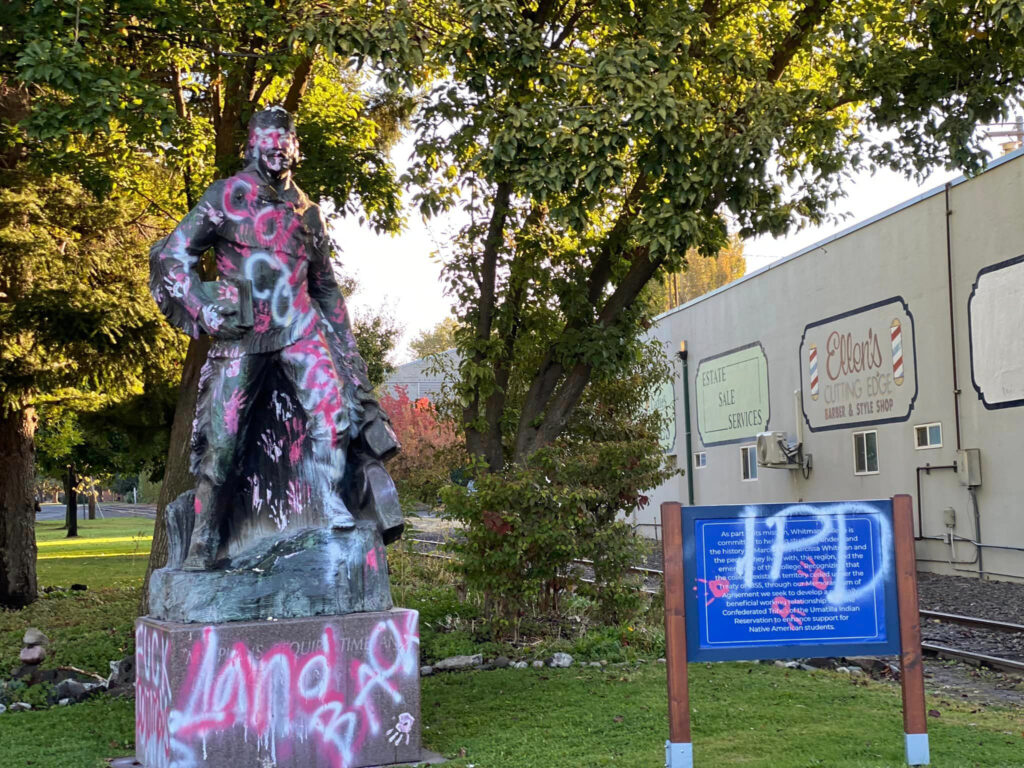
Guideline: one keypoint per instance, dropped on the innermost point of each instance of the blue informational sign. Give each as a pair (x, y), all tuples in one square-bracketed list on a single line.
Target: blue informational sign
[(776, 581)]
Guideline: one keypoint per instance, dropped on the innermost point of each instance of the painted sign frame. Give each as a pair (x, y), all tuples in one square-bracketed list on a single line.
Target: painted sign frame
[(970, 333), (841, 316), (775, 647), (767, 395)]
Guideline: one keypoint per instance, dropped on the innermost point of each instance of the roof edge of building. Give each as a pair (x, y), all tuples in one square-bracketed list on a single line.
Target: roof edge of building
[(928, 193)]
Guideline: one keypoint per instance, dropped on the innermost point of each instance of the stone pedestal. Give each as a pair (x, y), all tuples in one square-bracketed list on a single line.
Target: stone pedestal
[(320, 692)]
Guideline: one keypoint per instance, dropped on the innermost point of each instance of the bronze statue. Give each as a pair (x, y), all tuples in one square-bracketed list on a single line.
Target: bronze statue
[(285, 421)]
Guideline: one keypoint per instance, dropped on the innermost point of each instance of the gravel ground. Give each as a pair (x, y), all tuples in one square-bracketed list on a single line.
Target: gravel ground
[(995, 600), (1005, 645)]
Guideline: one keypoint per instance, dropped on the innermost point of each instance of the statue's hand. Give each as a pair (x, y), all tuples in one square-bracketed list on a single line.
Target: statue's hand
[(221, 320)]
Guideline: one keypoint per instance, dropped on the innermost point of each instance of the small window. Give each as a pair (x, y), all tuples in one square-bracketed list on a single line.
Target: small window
[(865, 453), (700, 460), (748, 459), (928, 436)]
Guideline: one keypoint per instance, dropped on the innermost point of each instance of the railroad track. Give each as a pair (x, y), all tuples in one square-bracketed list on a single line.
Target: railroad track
[(972, 656), (940, 650)]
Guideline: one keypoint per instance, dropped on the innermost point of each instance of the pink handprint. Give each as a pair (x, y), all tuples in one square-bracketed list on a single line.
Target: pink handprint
[(719, 588), (818, 578), (784, 609)]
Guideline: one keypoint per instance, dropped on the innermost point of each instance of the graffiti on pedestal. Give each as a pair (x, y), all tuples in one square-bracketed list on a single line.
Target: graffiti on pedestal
[(332, 695)]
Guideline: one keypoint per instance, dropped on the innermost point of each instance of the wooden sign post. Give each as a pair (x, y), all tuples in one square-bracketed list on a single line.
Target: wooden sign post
[(915, 724), (679, 747), (829, 579)]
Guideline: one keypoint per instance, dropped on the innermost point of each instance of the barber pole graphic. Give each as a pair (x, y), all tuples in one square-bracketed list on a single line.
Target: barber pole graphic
[(896, 332), (812, 362)]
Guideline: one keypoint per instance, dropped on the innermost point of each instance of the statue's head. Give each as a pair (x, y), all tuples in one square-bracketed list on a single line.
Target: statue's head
[(273, 145)]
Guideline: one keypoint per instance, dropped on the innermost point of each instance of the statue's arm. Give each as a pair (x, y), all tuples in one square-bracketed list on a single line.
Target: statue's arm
[(377, 436), (325, 293), (174, 280)]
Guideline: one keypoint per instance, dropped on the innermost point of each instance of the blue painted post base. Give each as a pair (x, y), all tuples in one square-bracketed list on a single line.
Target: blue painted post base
[(917, 748), (678, 755)]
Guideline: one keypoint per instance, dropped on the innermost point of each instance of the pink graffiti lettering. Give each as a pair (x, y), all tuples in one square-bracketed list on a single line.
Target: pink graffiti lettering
[(283, 697)]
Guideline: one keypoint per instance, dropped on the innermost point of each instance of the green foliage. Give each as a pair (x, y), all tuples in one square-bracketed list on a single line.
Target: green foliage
[(178, 81), (17, 690), (435, 340), (77, 326), (526, 526), (568, 501), (376, 337), (596, 145), (699, 275)]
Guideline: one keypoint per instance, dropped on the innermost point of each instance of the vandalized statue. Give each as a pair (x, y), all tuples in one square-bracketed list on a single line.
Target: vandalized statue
[(288, 442)]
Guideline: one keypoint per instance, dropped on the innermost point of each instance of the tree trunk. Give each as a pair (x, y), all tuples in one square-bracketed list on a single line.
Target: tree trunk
[(92, 506), (177, 478), (18, 586), (71, 506)]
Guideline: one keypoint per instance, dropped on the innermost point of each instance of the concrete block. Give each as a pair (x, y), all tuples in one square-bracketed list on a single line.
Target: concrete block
[(316, 692)]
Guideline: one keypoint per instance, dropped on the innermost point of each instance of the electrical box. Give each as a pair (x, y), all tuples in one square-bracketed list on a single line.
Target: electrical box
[(968, 467), (772, 450)]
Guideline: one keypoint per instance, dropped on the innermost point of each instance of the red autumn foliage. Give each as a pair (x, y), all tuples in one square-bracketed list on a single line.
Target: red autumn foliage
[(430, 446)]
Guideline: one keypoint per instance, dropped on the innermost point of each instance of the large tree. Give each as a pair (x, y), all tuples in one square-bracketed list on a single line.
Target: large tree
[(76, 330), (595, 143), (177, 81)]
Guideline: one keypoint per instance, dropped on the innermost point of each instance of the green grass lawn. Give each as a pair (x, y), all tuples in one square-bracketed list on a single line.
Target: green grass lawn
[(745, 715), (106, 553), (86, 629)]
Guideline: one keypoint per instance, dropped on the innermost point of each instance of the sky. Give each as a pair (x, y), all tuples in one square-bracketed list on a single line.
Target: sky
[(400, 274)]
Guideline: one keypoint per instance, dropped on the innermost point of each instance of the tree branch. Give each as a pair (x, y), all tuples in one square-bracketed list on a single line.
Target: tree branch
[(803, 25), (561, 405), (476, 442), (300, 81)]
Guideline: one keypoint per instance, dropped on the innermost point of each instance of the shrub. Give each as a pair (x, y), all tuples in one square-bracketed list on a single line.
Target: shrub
[(431, 447), (524, 529)]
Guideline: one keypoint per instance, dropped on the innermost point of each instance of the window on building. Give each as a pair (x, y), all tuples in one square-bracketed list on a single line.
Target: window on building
[(928, 436), (748, 459), (700, 460), (865, 453)]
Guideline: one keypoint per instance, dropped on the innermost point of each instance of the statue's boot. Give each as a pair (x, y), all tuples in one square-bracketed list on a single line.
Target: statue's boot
[(337, 514)]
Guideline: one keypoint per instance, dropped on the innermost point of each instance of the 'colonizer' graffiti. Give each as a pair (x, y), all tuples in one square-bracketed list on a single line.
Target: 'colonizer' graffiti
[(278, 698)]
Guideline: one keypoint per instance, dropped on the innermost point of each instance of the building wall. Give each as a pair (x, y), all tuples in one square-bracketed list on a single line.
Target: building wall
[(895, 265), (423, 377)]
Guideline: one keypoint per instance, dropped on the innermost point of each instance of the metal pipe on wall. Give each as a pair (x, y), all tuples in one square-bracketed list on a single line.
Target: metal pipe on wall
[(686, 413), (952, 327), (926, 468)]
